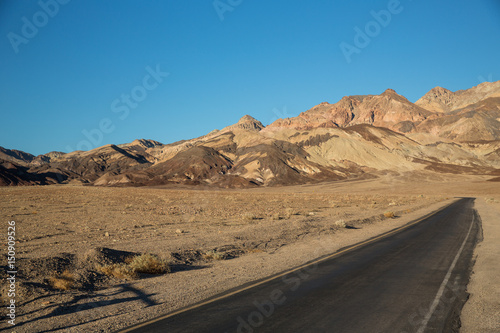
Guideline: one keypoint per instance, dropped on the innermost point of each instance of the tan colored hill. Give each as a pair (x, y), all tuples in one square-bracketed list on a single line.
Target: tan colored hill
[(466, 115), (475, 122), (239, 157), (388, 110), (443, 100)]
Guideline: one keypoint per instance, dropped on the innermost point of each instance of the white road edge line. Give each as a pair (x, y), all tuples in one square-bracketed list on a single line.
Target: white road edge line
[(444, 283)]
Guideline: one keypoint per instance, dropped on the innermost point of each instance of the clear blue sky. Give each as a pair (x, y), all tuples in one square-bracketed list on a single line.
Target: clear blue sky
[(265, 58)]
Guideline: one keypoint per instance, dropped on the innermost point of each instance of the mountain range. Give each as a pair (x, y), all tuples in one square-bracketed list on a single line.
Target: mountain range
[(360, 136)]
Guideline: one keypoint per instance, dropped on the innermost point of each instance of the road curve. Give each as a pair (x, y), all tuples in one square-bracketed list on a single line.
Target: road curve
[(410, 280)]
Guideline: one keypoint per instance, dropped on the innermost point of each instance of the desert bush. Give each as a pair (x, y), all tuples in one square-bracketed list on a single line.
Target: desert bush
[(289, 212), (341, 224), (214, 255), (149, 264), (249, 217), (276, 216), (120, 271), (63, 281), (254, 250), (144, 263), (389, 215)]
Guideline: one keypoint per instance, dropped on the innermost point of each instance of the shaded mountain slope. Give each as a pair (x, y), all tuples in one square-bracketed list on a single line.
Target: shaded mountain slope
[(479, 121)]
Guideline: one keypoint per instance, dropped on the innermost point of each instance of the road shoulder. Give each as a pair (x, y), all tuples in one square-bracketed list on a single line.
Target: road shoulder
[(481, 313)]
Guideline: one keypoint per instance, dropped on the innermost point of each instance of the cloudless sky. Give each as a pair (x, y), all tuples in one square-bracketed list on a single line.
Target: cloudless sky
[(268, 59)]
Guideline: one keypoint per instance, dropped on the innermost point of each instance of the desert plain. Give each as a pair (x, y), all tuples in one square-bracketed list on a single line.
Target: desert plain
[(213, 240)]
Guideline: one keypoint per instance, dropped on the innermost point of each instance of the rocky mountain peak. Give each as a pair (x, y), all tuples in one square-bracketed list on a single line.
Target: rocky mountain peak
[(145, 143), (439, 99), (390, 92), (248, 123), (439, 94)]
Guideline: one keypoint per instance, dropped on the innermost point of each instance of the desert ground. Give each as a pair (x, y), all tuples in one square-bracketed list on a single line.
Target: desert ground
[(74, 243)]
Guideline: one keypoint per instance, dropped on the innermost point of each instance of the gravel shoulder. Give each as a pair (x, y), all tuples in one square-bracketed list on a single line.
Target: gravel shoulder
[(481, 313)]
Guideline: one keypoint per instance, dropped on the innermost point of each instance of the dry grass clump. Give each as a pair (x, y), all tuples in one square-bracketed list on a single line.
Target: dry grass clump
[(149, 264), (276, 216), (63, 281), (389, 215), (341, 224), (254, 250), (289, 212), (214, 255), (249, 217), (120, 271), (144, 263)]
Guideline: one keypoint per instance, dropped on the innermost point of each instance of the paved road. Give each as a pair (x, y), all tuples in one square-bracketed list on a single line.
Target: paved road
[(412, 280)]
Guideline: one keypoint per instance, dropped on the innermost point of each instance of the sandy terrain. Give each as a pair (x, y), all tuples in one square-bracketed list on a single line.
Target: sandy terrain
[(259, 232)]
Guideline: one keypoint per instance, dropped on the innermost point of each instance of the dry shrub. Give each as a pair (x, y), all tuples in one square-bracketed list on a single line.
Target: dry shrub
[(389, 215), (249, 217), (149, 264), (341, 224), (254, 250), (276, 216), (214, 255), (144, 263), (289, 212), (120, 271), (63, 281)]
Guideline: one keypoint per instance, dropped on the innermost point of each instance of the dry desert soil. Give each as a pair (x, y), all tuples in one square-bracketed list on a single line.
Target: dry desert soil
[(75, 242)]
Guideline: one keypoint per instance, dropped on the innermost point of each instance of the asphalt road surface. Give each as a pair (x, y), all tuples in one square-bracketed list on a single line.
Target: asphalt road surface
[(409, 280)]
